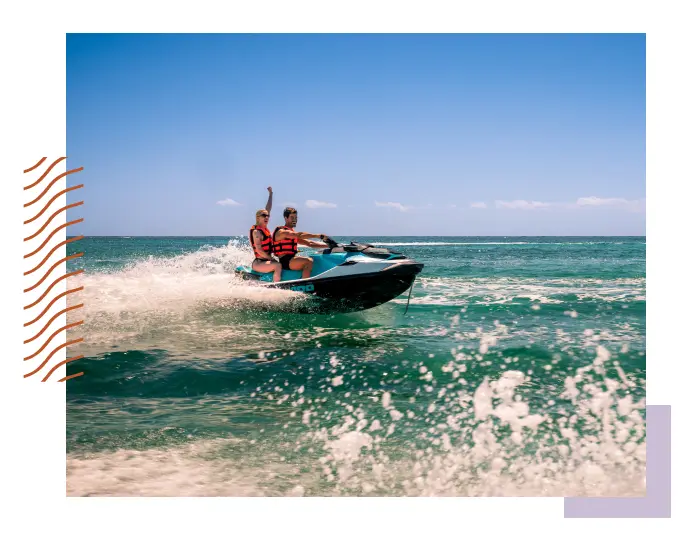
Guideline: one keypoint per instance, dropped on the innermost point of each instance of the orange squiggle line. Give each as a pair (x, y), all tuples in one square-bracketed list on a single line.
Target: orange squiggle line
[(56, 213), (72, 375), (53, 199), (66, 293), (65, 345), (48, 273), (37, 182), (51, 321), (54, 266), (64, 363), (48, 341), (72, 222), (36, 165), (52, 285), (73, 239), (51, 185)]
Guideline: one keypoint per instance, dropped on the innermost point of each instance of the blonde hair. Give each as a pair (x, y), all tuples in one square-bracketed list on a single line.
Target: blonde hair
[(259, 213)]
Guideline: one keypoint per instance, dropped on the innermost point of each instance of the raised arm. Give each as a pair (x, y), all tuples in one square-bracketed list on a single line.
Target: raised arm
[(268, 206)]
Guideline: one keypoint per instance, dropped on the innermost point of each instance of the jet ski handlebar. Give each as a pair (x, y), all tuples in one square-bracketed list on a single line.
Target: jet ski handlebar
[(330, 242)]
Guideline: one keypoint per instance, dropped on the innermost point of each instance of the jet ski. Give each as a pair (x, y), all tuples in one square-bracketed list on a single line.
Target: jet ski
[(346, 277)]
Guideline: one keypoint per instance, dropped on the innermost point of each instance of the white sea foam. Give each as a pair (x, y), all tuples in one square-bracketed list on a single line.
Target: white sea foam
[(488, 243), (175, 284), (501, 290), (446, 243), (166, 294), (184, 470), (205, 276)]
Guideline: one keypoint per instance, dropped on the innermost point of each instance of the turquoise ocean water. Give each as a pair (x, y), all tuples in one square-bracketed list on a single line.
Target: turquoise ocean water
[(519, 370)]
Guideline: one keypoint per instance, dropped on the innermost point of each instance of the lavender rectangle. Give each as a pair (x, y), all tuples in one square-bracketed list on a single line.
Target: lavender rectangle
[(657, 502)]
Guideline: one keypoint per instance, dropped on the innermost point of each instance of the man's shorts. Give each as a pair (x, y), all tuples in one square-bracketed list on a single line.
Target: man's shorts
[(284, 260)]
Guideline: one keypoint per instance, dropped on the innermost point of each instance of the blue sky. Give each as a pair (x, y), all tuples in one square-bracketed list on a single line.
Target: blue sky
[(365, 134)]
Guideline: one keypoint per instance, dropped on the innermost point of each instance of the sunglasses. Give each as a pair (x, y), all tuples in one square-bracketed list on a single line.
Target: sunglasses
[(264, 215)]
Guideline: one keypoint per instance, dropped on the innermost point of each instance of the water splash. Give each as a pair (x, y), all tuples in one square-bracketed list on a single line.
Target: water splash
[(157, 295), (488, 442), (443, 429)]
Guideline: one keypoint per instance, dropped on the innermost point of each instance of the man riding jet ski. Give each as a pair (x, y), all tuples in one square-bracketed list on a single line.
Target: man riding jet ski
[(285, 240)]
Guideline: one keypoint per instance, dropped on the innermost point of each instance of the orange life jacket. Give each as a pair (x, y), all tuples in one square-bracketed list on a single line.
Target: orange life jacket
[(266, 241), (284, 247)]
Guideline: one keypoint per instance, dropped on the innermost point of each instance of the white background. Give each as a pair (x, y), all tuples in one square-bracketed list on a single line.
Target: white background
[(32, 438)]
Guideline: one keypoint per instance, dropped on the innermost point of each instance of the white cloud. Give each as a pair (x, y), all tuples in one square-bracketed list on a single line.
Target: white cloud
[(228, 202), (396, 205), (522, 205), (320, 204), (633, 205), (597, 201)]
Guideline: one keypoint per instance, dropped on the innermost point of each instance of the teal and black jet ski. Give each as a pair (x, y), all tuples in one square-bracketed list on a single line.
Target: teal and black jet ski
[(346, 277)]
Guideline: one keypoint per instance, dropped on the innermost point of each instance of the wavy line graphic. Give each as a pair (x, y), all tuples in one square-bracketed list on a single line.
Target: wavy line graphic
[(48, 341), (56, 299), (59, 245), (52, 285), (56, 213), (72, 375), (65, 345), (47, 325), (54, 266), (46, 189), (64, 363), (36, 165), (52, 343), (37, 182), (52, 234), (52, 199)]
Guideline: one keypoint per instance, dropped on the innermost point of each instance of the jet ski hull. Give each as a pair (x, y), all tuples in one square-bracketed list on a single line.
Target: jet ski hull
[(354, 292)]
